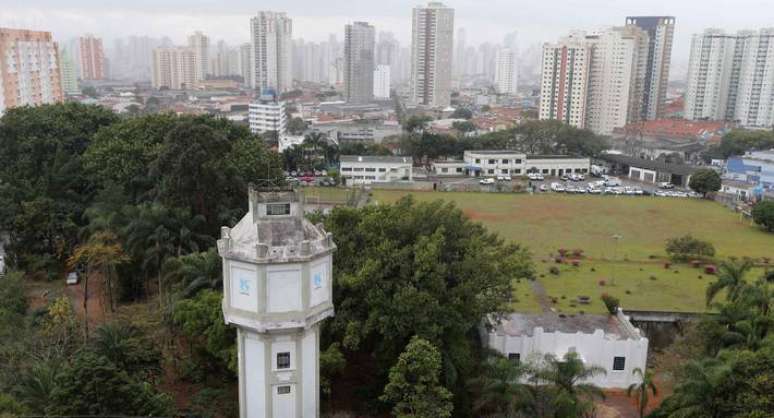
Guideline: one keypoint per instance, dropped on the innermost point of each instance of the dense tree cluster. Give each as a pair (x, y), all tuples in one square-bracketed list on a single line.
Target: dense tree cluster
[(734, 374), (705, 181), (531, 137), (687, 248), (739, 141)]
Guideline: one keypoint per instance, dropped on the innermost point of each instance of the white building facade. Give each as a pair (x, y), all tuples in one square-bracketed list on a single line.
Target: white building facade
[(731, 77), (268, 114), (432, 45), (271, 36), (368, 169), (359, 42), (610, 342), (494, 163), (174, 68), (382, 82), (277, 288), (506, 71)]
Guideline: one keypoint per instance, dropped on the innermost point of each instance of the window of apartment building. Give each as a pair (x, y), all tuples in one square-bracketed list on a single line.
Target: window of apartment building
[(492, 161), (478, 161), (517, 171), (382, 170), (619, 363), (370, 177), (504, 171), (283, 360), (276, 209), (505, 161), (459, 169), (490, 171), (357, 169), (545, 171), (517, 161), (346, 168), (514, 357), (371, 170)]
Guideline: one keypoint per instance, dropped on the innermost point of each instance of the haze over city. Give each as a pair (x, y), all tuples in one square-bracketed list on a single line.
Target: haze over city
[(485, 21)]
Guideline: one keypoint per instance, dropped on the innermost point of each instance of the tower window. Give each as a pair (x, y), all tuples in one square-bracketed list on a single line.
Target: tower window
[(283, 360), (283, 390), (619, 363), (514, 357), (275, 209)]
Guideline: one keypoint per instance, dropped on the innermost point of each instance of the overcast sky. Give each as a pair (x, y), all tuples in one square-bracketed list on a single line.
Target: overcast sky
[(485, 20)]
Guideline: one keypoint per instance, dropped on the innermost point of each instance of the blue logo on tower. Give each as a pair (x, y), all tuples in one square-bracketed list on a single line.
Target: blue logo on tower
[(317, 280), (244, 287)]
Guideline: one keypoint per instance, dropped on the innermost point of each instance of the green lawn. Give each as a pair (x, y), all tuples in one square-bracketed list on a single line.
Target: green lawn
[(326, 194), (546, 223)]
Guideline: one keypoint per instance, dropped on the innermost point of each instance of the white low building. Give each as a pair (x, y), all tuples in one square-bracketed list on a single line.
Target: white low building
[(368, 169), (608, 341), (492, 163), (267, 114)]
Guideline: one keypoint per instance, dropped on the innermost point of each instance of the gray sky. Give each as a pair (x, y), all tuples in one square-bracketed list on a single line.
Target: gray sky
[(485, 20)]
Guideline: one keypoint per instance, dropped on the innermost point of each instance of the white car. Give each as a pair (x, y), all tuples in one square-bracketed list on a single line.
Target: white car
[(666, 185), (543, 188), (557, 187), (486, 182)]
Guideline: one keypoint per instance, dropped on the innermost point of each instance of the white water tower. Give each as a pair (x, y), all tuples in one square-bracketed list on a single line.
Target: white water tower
[(277, 269)]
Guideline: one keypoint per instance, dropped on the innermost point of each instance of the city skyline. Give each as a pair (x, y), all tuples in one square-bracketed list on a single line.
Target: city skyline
[(316, 21)]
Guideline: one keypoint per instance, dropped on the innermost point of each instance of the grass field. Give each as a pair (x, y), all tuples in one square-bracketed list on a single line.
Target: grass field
[(545, 223)]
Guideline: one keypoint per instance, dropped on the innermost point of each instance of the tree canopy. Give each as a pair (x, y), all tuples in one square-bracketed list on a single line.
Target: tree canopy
[(705, 181), (763, 214)]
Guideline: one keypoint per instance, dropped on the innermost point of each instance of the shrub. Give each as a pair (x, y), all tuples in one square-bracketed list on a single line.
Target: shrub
[(667, 265), (562, 252), (710, 269), (577, 253), (554, 270), (611, 303), (652, 277), (558, 260), (593, 269), (628, 292), (687, 247), (575, 263), (763, 214), (602, 282)]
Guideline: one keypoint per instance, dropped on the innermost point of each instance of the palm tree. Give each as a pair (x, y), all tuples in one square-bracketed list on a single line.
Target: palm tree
[(34, 387), (194, 272), (501, 392), (646, 384), (102, 254), (698, 395), (731, 278), (572, 397)]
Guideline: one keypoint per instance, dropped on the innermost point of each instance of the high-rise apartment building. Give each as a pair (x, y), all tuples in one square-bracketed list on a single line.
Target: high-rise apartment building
[(755, 91), (459, 56), (92, 57), (174, 68), (506, 71), (359, 38), (67, 73), (271, 40), (709, 75), (565, 80), (382, 82), (732, 77), (616, 78), (595, 81), (432, 44), (246, 63), (660, 31), (199, 43), (29, 69)]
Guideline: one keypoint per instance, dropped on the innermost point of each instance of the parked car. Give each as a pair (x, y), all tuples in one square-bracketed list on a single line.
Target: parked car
[(612, 182), (72, 278), (666, 185), (557, 187), (543, 188), (486, 182)]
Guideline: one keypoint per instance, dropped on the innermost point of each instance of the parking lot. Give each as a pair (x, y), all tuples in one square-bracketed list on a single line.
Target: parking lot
[(621, 186)]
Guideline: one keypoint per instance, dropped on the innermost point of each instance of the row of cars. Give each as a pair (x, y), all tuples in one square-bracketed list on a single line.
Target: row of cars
[(605, 187), (309, 178)]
